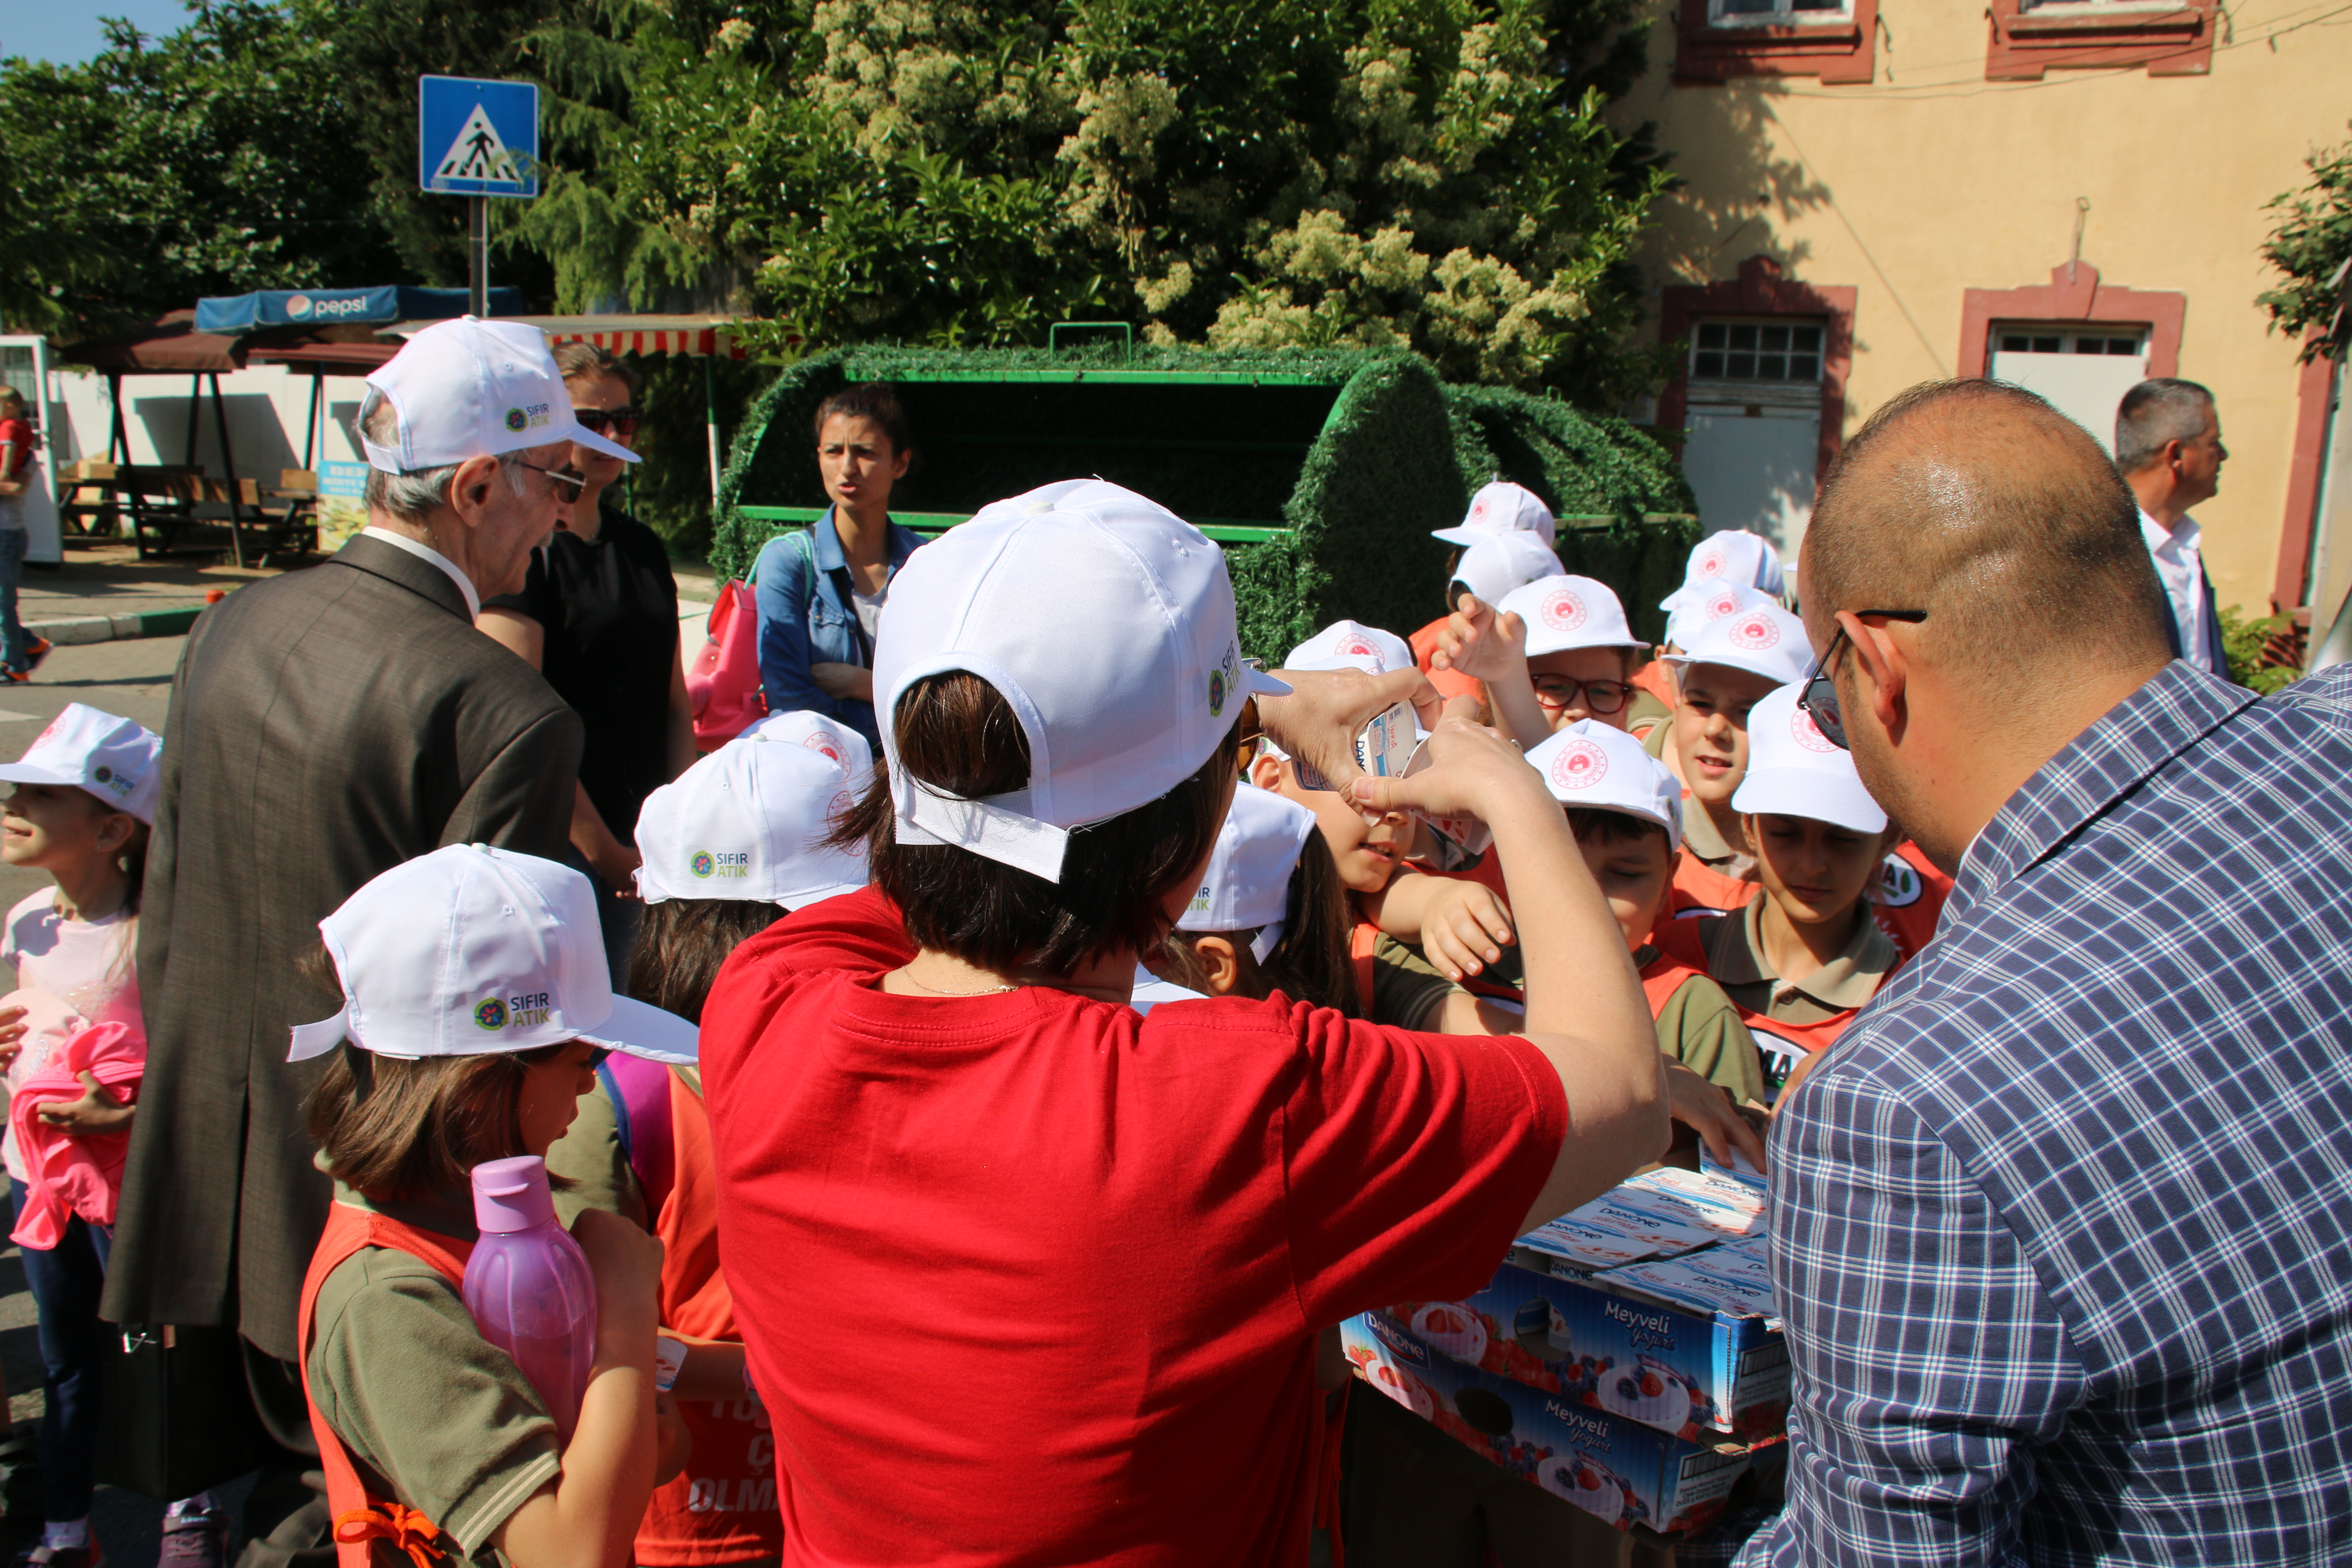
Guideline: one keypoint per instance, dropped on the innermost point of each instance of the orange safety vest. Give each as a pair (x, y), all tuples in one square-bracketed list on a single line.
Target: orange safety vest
[(723, 1508), (1782, 1044), (1906, 902), (361, 1517), (1662, 978), (1653, 678)]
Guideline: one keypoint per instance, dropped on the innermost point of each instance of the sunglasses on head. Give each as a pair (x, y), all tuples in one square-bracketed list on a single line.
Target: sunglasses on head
[(1818, 698), (567, 483), (618, 423)]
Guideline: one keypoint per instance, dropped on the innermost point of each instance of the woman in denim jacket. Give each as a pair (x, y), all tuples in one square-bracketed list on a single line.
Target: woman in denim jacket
[(820, 591)]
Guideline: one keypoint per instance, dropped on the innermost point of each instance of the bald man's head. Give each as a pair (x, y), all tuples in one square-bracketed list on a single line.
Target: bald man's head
[(1979, 503)]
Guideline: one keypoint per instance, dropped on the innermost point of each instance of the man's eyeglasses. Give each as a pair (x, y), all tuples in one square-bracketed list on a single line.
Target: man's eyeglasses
[(598, 1057), (1558, 691), (618, 423), (567, 483), (1820, 697)]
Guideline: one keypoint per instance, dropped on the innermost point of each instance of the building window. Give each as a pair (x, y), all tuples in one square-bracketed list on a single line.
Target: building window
[(2043, 340), (2169, 38), (1755, 351), (2082, 371), (1783, 13)]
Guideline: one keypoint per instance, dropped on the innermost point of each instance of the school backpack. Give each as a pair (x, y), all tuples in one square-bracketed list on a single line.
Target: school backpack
[(723, 682)]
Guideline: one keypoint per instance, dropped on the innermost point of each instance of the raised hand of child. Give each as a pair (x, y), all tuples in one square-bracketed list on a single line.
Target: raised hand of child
[(95, 1113), (12, 1034), (1706, 1109), (1464, 927), (1318, 721), (1481, 643)]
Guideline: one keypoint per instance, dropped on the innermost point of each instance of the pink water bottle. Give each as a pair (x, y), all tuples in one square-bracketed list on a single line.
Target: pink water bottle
[(528, 1288)]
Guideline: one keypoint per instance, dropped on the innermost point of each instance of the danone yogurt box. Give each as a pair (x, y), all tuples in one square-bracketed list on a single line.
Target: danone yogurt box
[(1621, 1471), (1655, 1304)]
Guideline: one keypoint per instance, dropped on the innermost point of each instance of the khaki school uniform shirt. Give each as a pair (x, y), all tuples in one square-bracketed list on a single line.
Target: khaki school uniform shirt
[(1735, 957), (1700, 1028), (432, 1414), (1408, 992)]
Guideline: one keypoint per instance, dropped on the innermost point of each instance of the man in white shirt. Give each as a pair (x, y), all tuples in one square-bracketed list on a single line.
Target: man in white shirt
[(2169, 448)]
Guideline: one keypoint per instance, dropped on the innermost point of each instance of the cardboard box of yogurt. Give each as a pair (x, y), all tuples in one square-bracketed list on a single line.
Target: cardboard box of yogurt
[(1652, 1304), (1626, 1473)]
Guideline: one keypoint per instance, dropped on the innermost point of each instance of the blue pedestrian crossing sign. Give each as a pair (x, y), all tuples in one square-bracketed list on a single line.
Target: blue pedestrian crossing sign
[(477, 138)]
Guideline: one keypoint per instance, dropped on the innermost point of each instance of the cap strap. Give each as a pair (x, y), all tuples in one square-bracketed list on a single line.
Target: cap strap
[(999, 827), (317, 1039)]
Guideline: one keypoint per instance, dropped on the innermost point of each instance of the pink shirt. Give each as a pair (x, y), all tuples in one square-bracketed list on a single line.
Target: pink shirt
[(84, 965)]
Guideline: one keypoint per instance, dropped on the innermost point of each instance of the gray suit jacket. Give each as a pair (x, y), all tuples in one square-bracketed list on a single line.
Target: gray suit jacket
[(325, 726)]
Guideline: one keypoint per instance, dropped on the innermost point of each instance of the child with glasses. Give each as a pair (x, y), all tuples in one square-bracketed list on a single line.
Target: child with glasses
[(1554, 652)]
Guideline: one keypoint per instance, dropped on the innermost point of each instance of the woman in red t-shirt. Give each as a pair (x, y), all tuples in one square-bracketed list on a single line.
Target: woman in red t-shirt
[(1025, 1275), (18, 653)]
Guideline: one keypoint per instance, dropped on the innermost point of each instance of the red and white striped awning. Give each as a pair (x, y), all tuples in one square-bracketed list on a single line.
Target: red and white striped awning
[(694, 336)]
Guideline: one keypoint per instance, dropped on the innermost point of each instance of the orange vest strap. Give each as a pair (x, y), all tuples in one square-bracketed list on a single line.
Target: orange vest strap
[(359, 1518), (1360, 942), (1661, 978)]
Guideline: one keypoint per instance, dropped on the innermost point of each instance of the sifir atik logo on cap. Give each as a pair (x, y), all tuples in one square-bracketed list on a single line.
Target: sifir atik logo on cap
[(1580, 764), (1806, 733), (723, 865), (521, 1011), (1754, 634), (1223, 679), (1563, 611), (115, 782)]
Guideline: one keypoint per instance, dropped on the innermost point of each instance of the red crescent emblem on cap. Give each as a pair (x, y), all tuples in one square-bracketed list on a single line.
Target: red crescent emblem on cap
[(1478, 511), (1808, 734), (1711, 563), (1580, 764), (1754, 634), (822, 745), (1721, 605), (1562, 610), (1358, 645)]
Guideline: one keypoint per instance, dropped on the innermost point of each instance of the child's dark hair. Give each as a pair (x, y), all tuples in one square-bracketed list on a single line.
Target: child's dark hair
[(1311, 962), (957, 732), (683, 941), (393, 1130), (871, 400), (1611, 826)]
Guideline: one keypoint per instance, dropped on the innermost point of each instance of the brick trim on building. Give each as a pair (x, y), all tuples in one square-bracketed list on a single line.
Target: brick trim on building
[(1837, 51), (2025, 41), (2315, 384), (1760, 290), (2075, 296)]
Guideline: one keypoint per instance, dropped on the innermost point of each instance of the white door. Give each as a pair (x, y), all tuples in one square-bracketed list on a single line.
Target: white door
[(1752, 465), (2084, 372)]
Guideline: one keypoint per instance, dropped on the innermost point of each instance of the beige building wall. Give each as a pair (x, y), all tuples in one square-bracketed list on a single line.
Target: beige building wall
[(1930, 180)]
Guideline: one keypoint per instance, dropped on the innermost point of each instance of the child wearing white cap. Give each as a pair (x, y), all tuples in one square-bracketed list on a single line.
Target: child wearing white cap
[(1732, 555), (1552, 653), (84, 798), (1799, 959), (1654, 699), (1271, 915), (947, 1156), (477, 1006), (1729, 667), (738, 839)]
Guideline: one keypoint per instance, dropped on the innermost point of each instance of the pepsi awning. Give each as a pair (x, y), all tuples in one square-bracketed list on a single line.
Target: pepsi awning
[(333, 307)]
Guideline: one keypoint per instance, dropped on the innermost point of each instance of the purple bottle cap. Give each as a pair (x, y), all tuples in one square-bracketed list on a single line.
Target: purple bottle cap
[(511, 1195)]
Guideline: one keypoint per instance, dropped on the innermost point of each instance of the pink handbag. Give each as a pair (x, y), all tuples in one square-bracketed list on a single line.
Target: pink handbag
[(723, 683)]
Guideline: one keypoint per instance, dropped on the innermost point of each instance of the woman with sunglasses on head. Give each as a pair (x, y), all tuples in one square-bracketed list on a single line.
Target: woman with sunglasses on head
[(597, 614)]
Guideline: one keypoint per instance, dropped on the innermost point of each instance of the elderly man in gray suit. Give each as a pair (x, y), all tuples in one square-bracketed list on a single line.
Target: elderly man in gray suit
[(326, 726)]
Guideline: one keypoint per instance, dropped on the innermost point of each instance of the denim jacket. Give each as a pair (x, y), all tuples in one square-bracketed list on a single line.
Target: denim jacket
[(798, 627)]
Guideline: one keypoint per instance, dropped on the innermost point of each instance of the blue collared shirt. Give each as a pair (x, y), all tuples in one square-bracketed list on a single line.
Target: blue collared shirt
[(2062, 1227), (799, 627)]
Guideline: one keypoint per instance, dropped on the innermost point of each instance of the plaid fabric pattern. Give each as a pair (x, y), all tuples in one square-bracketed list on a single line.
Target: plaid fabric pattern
[(2062, 1230)]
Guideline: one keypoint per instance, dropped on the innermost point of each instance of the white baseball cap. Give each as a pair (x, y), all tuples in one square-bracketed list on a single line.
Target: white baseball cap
[(749, 821), (1502, 561), (471, 388), (1767, 641), (1501, 508), (471, 950), (1794, 771), (1106, 622), (111, 758), (1247, 886), (1593, 764), (1734, 554), (1351, 645), (1711, 601), (1564, 612)]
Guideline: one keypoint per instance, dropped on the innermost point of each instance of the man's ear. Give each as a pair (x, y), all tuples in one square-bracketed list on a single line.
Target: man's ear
[(469, 489), (1220, 963), (1881, 672)]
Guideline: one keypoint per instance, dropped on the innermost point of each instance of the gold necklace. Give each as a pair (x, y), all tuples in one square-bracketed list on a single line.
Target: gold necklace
[(933, 990)]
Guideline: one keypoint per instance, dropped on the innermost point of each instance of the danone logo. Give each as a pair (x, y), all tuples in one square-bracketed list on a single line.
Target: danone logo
[(1806, 733), (1754, 634), (491, 1013), (1580, 764), (518, 420), (702, 864), (1562, 610)]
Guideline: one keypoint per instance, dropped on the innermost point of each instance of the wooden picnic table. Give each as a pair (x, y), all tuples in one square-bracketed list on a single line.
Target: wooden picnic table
[(178, 508)]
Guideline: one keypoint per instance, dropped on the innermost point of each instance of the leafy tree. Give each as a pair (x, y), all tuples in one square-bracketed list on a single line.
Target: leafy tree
[(2314, 238)]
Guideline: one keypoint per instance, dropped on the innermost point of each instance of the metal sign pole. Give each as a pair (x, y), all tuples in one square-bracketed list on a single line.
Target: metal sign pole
[(478, 255)]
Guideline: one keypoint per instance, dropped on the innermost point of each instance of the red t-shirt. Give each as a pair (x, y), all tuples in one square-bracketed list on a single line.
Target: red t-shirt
[(1033, 1278), (20, 432)]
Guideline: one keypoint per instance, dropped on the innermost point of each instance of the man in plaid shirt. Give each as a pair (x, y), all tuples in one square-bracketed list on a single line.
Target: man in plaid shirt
[(2062, 1226)]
